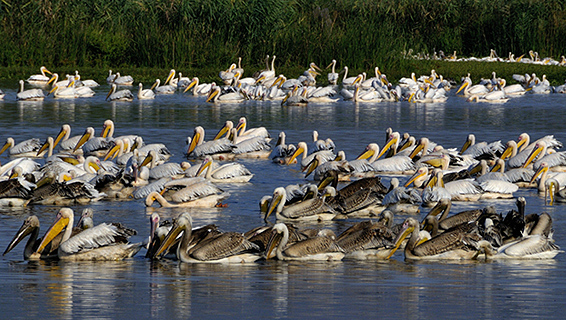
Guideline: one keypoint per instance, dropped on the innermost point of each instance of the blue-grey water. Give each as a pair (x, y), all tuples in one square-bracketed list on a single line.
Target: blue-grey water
[(138, 288)]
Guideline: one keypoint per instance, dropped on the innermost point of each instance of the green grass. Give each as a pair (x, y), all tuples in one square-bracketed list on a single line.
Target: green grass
[(203, 36)]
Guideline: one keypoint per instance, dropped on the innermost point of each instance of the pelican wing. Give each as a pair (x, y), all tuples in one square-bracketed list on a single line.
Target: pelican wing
[(374, 237), (251, 145), (231, 170), (394, 164), (223, 246), (530, 245), (30, 145), (498, 186), (195, 191), (312, 246), (97, 237), (448, 241), (465, 186), (306, 208), (16, 188), (157, 186), (212, 147), (520, 174), (166, 170), (553, 160)]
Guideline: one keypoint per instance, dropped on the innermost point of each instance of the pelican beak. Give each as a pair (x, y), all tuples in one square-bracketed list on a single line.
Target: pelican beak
[(532, 156), (274, 202), (506, 153), (550, 191), (45, 70), (415, 176), (273, 242), (330, 65), (402, 235), (222, 131), (466, 145), (169, 240), (312, 165), (264, 206), (325, 182), (14, 174), (194, 142), (317, 68), (416, 151), (465, 84), (24, 230), (412, 97), (260, 79), (539, 172), (496, 167), (60, 136), (192, 84), (112, 151), (203, 166), (358, 79), (212, 94), (147, 160), (295, 155), (366, 154), (94, 165), (82, 140), (387, 146), (56, 228), (153, 85), (171, 75), (105, 131), (52, 79), (53, 90), (520, 143), (405, 145), (109, 92), (476, 169), (43, 148), (432, 181), (435, 162)]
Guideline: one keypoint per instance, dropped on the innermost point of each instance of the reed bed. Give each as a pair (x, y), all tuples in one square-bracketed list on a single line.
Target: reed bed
[(211, 34)]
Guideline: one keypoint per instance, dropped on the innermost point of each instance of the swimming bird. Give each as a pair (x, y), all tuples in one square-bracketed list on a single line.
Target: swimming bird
[(39, 78), (121, 95), (102, 242), (228, 247), (145, 94), (314, 209), (30, 94), (233, 172)]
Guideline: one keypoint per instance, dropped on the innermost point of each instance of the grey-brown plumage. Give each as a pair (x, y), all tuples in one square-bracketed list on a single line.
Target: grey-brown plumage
[(312, 246), (261, 235), (222, 246), (61, 193), (16, 188), (464, 238), (366, 235)]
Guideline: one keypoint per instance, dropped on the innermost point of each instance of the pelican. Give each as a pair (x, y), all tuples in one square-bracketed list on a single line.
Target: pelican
[(351, 81), (332, 76), (85, 83), (67, 92), (199, 89), (29, 95), (367, 240), (145, 94), (26, 148), (102, 242), (39, 78), (228, 173), (29, 227), (122, 95), (512, 90), (244, 131), (320, 248), (183, 82), (122, 80), (267, 74), (165, 88), (312, 209), (459, 244), (216, 96), (470, 90), (198, 148), (15, 192), (199, 195), (229, 247), (396, 164), (326, 155)]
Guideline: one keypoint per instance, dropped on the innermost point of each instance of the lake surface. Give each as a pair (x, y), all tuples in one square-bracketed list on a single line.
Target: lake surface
[(138, 288)]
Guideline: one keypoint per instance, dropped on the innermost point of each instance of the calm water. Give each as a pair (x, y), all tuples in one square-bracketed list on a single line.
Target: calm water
[(138, 288)]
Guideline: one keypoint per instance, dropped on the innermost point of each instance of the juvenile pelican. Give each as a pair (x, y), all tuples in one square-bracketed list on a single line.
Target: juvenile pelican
[(229, 247), (314, 209)]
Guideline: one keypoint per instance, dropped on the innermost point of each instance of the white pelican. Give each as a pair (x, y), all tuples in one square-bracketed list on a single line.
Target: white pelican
[(470, 90), (122, 95), (396, 164), (199, 89), (145, 94), (183, 82), (216, 96), (327, 155), (102, 242), (332, 76), (67, 92), (29, 95), (319, 248), (166, 88), (198, 195), (348, 83), (244, 131), (229, 247), (220, 148), (122, 80), (228, 173), (26, 148), (85, 83), (267, 74), (39, 78), (314, 209)]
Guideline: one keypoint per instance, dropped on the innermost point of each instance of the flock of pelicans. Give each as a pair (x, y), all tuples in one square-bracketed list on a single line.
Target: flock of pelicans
[(92, 168), (266, 85)]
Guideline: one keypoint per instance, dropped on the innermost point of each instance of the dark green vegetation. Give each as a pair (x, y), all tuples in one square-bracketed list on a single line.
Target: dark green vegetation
[(206, 35)]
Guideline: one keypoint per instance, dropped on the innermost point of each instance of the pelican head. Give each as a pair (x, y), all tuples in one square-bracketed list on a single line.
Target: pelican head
[(63, 219), (183, 223), (30, 225), (225, 129), (277, 200)]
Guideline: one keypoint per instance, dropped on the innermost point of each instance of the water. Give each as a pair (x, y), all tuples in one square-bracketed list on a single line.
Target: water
[(138, 288)]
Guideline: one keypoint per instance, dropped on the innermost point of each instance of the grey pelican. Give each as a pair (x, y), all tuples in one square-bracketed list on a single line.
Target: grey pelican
[(312, 209), (102, 242), (145, 94), (229, 247), (15, 192), (39, 78), (367, 240), (228, 173), (122, 95), (320, 248), (30, 94)]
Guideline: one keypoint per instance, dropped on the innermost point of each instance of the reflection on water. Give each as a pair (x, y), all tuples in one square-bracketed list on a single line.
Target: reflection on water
[(141, 289)]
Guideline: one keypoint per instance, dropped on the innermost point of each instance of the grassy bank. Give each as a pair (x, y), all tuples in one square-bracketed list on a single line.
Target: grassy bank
[(212, 33)]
